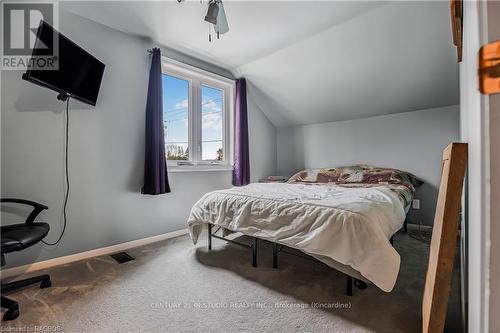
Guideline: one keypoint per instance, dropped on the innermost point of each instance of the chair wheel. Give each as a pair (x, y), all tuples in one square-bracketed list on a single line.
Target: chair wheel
[(360, 284), (11, 314), (45, 284)]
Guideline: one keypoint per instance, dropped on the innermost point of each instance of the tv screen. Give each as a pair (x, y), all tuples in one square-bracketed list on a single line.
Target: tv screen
[(78, 73)]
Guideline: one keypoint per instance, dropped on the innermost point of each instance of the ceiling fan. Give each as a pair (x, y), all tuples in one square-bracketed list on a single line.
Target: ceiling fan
[(216, 17)]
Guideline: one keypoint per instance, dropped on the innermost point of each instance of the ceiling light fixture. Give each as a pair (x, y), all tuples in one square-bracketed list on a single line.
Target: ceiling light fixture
[(213, 12), (216, 17)]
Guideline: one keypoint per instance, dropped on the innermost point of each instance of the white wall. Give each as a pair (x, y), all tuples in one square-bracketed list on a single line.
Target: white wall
[(474, 112), (411, 64), (410, 141), (106, 152), (494, 34)]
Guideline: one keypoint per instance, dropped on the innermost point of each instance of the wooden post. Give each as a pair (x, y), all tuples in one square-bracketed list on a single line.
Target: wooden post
[(444, 238)]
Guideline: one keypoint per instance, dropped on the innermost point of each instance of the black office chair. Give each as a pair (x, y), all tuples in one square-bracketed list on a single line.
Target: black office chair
[(16, 237)]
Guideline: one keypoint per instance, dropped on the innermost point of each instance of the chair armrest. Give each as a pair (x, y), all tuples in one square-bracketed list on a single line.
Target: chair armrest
[(37, 207)]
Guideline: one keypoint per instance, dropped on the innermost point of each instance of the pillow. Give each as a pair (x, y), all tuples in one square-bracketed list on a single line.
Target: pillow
[(364, 174), (305, 176)]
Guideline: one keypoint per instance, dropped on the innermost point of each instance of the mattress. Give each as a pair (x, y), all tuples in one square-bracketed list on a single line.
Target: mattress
[(349, 225)]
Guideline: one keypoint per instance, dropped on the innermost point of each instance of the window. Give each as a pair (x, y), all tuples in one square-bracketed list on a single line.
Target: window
[(176, 117), (212, 135), (197, 117)]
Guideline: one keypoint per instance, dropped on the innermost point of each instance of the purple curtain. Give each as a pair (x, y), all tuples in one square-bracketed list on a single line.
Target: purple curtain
[(241, 171), (155, 165)]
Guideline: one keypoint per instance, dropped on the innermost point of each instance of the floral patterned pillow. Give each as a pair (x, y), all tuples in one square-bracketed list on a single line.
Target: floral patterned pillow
[(363, 174)]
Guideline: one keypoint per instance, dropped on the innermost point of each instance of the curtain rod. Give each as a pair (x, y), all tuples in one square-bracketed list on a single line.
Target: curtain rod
[(150, 51)]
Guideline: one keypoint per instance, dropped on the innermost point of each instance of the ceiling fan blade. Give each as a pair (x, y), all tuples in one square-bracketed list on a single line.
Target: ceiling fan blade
[(221, 26)]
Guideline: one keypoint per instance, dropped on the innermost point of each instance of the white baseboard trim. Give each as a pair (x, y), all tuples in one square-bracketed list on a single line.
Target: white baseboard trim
[(14, 271)]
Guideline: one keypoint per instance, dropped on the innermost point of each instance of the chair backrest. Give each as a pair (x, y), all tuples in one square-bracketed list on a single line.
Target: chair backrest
[(444, 238), (37, 207)]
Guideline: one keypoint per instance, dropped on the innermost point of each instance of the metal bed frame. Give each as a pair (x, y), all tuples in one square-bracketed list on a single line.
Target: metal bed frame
[(280, 248)]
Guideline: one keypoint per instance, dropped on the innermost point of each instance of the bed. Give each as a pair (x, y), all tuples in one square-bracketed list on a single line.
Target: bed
[(343, 216)]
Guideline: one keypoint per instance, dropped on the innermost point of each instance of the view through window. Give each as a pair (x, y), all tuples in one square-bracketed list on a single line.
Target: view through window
[(176, 117), (212, 120), (196, 107)]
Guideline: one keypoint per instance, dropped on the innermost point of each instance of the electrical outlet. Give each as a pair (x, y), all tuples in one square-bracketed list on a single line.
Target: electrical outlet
[(415, 204)]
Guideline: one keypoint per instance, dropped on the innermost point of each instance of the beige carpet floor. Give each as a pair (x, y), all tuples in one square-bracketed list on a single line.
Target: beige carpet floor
[(173, 286)]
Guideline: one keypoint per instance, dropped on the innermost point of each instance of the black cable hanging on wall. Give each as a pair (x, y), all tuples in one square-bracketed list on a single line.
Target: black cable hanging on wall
[(66, 171)]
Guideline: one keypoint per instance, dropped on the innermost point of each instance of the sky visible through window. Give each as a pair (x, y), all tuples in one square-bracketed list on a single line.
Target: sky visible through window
[(176, 117), (211, 116), (176, 120)]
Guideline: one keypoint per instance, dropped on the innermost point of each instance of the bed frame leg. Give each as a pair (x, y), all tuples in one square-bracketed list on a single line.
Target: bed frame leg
[(275, 255), (405, 226), (209, 236), (360, 284), (254, 252), (348, 285)]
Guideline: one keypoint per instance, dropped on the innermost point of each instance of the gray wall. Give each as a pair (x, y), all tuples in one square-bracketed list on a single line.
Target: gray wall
[(410, 141), (263, 146), (106, 152)]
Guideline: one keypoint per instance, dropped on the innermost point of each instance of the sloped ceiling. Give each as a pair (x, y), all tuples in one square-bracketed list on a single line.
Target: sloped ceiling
[(308, 62)]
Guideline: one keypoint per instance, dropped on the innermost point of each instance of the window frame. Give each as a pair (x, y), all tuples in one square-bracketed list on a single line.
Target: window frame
[(197, 78)]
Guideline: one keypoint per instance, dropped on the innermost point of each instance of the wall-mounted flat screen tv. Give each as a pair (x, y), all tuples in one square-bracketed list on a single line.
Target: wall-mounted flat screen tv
[(78, 73)]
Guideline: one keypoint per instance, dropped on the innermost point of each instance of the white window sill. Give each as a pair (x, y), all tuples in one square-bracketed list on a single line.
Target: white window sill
[(199, 168)]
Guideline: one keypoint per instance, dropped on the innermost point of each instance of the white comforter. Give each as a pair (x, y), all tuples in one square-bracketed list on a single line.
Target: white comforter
[(349, 225)]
